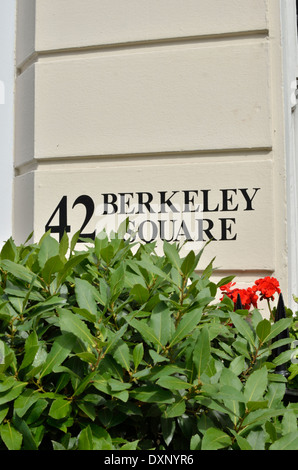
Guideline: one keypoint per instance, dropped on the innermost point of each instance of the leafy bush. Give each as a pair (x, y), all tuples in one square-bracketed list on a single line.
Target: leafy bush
[(293, 334), (115, 347)]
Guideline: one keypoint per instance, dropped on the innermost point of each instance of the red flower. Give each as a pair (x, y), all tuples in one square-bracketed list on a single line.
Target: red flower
[(247, 296), (267, 286), (227, 287)]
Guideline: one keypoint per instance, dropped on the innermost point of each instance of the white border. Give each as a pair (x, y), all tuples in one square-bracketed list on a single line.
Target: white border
[(290, 73)]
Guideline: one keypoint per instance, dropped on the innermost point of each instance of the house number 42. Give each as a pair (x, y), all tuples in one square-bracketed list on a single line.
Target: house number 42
[(61, 213)]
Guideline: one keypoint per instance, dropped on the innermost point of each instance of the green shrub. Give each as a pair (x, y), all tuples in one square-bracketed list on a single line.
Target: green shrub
[(293, 333), (114, 347)]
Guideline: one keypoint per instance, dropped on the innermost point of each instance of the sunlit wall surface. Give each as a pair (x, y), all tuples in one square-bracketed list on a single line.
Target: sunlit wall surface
[(7, 47)]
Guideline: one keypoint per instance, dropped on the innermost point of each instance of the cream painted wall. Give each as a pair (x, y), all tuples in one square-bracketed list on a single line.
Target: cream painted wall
[(7, 48), (163, 105)]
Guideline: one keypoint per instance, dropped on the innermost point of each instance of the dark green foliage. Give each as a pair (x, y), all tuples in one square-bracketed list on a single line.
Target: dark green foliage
[(115, 347)]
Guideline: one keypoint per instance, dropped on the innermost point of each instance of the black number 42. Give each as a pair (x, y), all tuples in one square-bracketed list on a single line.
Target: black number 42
[(61, 212)]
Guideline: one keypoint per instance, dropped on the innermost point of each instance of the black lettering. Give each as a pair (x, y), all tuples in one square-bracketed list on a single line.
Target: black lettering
[(227, 229), (226, 200), (88, 202), (142, 203), (206, 201), (109, 203), (207, 230), (249, 199), (164, 201), (154, 231), (188, 200), (124, 202), (162, 230), (185, 232), (62, 227)]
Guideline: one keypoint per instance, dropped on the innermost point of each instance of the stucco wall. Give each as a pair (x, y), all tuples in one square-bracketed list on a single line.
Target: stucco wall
[(169, 112)]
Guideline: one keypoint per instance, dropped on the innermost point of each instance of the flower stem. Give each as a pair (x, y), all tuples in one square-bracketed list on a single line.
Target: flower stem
[(270, 310)]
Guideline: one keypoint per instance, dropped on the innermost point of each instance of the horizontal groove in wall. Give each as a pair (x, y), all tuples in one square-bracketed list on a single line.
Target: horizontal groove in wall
[(25, 168), (116, 47), (178, 158), (240, 274)]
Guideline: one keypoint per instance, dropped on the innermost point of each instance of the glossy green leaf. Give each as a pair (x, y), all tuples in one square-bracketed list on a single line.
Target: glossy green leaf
[(60, 408), (52, 266), (157, 357), (187, 324), (121, 354), (101, 383), (201, 352), (88, 408), (19, 271), (71, 323), (241, 441), (64, 245), (85, 439), (7, 383), (138, 354), (146, 331), (85, 295), (130, 445), (69, 266), (25, 401), (215, 439), (256, 385), (83, 312), (172, 254), (49, 247), (283, 357), (243, 327), (60, 350), (256, 405), (12, 393), (31, 348), (117, 280), (168, 427), (154, 270), (107, 253), (74, 241), (87, 357), (11, 437), (195, 442), (161, 323), (260, 416), (35, 411), (113, 339), (289, 422), (227, 392), (225, 280), (238, 365), (3, 411), (139, 293), (20, 425), (173, 383), (9, 250), (287, 442), (278, 327), (188, 264), (176, 409), (263, 329), (151, 394)]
